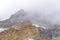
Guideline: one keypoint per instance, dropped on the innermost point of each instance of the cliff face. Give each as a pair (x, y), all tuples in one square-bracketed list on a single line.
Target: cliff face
[(25, 32)]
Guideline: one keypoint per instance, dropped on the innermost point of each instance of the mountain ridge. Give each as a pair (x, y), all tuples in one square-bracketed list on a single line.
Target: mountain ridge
[(18, 17)]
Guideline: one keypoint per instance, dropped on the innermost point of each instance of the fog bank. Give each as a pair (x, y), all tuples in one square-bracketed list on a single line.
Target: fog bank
[(46, 9)]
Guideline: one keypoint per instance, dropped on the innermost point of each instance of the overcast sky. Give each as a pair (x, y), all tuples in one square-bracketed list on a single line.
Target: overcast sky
[(47, 8)]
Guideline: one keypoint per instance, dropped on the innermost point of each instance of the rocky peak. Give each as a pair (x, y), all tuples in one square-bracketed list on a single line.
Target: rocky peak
[(18, 14), (19, 17)]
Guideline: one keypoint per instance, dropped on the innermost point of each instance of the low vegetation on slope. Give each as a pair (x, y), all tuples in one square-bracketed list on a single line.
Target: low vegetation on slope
[(22, 32)]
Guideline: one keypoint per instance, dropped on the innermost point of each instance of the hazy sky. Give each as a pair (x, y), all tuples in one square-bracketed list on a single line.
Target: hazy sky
[(49, 9)]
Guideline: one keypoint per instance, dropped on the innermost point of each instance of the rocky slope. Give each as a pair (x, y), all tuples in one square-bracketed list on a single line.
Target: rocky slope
[(25, 32)]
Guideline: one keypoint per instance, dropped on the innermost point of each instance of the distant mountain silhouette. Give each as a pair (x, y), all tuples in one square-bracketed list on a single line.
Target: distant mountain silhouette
[(18, 17)]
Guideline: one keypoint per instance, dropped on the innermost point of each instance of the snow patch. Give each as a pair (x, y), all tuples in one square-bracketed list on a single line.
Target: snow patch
[(35, 25), (30, 39), (39, 26), (2, 29)]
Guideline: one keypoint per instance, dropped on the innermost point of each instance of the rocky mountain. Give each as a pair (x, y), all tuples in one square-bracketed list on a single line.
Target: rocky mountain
[(24, 31), (18, 21), (22, 16), (18, 17)]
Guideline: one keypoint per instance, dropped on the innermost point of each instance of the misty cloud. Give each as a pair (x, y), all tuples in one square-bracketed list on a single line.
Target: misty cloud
[(46, 9)]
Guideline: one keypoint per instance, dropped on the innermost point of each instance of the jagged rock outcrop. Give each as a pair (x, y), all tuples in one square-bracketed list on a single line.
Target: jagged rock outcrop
[(25, 32)]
